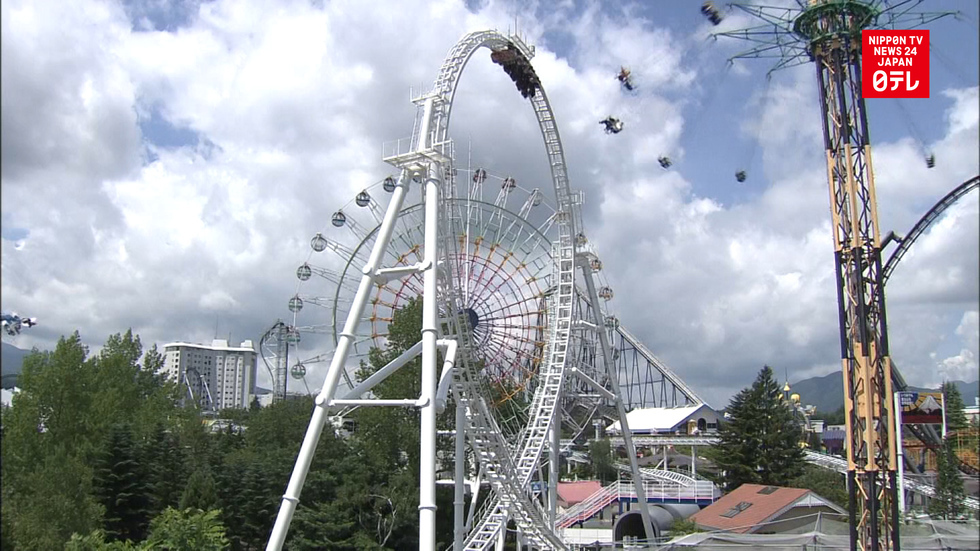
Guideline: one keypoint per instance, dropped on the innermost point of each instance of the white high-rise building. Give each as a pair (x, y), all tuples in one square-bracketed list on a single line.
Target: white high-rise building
[(217, 376)]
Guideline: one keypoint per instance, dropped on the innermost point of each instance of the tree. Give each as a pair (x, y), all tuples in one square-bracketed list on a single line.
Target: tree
[(682, 527), (385, 432), (63, 420), (948, 501), (200, 491), (120, 486), (955, 418), (825, 482), (831, 418), (760, 440), (602, 461), (96, 541), (47, 445), (57, 503), (187, 530), (163, 460), (172, 530)]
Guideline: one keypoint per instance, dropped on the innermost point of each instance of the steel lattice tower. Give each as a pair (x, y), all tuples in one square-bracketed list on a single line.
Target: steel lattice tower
[(828, 33), (275, 354)]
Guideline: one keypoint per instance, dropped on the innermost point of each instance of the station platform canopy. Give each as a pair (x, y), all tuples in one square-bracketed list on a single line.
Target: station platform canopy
[(696, 419)]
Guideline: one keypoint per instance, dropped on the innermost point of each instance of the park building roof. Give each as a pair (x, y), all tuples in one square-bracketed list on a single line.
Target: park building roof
[(572, 493), (754, 508), (216, 344), (668, 420)]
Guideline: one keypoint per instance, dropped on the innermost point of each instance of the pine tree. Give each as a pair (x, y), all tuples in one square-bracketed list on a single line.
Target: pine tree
[(760, 440), (200, 492), (163, 462), (120, 486), (955, 418), (948, 501), (602, 461)]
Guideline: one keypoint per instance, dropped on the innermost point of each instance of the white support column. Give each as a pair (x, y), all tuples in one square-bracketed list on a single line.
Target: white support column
[(474, 498), (943, 398), (430, 375), (641, 494), (339, 362), (694, 464), (901, 455), (502, 536), (553, 471), (459, 497)]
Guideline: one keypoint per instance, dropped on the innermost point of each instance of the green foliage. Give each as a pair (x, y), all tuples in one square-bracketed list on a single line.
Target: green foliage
[(835, 418), (200, 492), (824, 482), (96, 541), (120, 486), (172, 530), (948, 501), (61, 424), (281, 425), (511, 403), (602, 461), (955, 418), (682, 527), (164, 461), (56, 502), (814, 441), (46, 479), (187, 530), (759, 442), (95, 447), (390, 435)]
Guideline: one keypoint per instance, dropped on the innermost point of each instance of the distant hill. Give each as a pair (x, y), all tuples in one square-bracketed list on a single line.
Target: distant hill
[(11, 361), (827, 392)]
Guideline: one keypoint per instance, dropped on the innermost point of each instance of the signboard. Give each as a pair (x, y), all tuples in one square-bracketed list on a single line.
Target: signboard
[(895, 64), (922, 407)]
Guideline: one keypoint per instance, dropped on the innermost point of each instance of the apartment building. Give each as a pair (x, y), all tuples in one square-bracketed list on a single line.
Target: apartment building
[(215, 376)]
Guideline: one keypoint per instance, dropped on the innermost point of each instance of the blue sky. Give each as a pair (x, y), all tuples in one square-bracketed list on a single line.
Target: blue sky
[(165, 164)]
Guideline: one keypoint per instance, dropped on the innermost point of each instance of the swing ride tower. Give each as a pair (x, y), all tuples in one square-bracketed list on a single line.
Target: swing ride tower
[(828, 33)]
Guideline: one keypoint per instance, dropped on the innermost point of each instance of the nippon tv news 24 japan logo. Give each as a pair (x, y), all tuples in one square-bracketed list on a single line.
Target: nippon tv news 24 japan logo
[(895, 64)]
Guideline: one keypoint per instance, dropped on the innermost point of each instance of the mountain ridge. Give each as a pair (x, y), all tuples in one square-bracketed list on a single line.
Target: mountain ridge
[(11, 362), (827, 392)]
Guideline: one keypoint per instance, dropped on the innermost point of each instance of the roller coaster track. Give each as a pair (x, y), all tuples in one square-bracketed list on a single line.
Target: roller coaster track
[(840, 465), (923, 224), (927, 435)]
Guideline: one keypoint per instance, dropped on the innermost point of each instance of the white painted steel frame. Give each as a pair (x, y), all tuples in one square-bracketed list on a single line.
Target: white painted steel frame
[(534, 441), (337, 365), (430, 157)]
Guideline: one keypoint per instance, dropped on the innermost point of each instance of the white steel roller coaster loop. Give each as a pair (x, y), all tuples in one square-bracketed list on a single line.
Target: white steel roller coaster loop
[(429, 162)]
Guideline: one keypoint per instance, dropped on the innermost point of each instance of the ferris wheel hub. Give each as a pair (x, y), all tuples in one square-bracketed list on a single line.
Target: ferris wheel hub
[(472, 317)]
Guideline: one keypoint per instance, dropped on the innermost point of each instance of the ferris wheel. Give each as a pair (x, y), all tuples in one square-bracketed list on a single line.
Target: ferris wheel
[(502, 266), (518, 294)]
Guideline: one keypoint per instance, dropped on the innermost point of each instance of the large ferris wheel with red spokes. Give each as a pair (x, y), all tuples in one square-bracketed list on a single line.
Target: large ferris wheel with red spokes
[(503, 269)]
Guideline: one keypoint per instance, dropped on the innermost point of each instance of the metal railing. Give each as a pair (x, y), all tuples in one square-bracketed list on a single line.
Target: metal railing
[(657, 491)]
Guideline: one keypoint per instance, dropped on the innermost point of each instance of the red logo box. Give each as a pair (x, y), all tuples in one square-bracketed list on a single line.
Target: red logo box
[(895, 64)]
